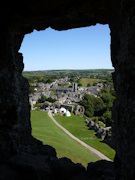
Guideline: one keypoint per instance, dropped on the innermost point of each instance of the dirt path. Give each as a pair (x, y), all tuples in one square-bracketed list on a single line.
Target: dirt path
[(91, 149)]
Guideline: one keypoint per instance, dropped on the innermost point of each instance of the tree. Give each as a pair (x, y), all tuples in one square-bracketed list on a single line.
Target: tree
[(94, 84), (42, 99), (40, 79), (91, 76), (89, 112), (92, 105), (72, 80), (51, 100), (31, 88), (99, 107), (49, 81), (105, 90), (108, 99), (107, 118), (79, 84), (88, 85)]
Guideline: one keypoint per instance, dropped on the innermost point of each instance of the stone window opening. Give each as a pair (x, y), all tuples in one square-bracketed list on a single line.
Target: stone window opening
[(21, 50), (19, 151)]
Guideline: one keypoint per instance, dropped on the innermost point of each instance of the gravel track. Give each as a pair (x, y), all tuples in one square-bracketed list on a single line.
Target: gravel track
[(91, 149)]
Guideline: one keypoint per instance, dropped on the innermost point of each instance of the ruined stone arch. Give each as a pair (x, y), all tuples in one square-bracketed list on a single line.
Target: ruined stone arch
[(18, 19), (79, 110)]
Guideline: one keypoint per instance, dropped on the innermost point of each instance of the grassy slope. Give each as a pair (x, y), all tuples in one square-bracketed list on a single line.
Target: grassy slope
[(45, 130), (77, 126), (85, 81)]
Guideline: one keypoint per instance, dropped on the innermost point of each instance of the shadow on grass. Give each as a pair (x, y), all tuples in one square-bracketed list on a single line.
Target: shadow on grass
[(108, 142)]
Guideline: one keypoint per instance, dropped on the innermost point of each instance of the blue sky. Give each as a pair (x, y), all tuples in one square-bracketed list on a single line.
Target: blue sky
[(81, 48)]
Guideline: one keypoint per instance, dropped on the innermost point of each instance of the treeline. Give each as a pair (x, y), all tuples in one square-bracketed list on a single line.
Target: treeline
[(68, 71), (101, 106), (38, 79), (36, 75)]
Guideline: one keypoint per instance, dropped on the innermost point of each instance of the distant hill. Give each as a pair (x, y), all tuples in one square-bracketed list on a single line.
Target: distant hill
[(66, 72)]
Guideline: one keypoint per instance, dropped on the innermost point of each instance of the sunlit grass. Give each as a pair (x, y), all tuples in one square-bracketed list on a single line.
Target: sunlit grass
[(77, 126), (44, 129), (85, 81)]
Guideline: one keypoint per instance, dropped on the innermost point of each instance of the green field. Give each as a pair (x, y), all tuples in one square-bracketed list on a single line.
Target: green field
[(77, 126), (45, 130), (85, 81)]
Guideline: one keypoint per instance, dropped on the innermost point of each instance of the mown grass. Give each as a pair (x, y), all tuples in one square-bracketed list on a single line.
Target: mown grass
[(45, 130), (85, 81), (77, 126)]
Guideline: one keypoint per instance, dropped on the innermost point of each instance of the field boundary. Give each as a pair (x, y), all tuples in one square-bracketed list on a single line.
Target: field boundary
[(91, 149)]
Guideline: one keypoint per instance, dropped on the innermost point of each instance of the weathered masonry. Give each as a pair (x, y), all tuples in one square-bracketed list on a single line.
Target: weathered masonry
[(22, 156)]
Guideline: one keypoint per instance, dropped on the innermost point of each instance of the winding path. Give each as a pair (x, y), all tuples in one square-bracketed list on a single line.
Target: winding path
[(91, 149)]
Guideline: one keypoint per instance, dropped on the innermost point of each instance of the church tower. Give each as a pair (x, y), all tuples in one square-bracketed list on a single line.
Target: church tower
[(74, 86)]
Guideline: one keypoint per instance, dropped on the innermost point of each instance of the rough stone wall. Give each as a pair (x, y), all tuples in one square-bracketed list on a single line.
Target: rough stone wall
[(17, 147), (15, 126), (60, 15), (123, 58), (14, 108)]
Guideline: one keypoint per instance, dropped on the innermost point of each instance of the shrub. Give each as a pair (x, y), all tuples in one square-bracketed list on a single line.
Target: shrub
[(42, 99), (51, 100), (107, 118)]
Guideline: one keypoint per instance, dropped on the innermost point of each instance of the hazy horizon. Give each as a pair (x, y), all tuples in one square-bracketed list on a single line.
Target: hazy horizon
[(69, 69)]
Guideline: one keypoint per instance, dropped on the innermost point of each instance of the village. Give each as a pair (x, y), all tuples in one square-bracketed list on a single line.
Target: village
[(65, 94), (67, 99)]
